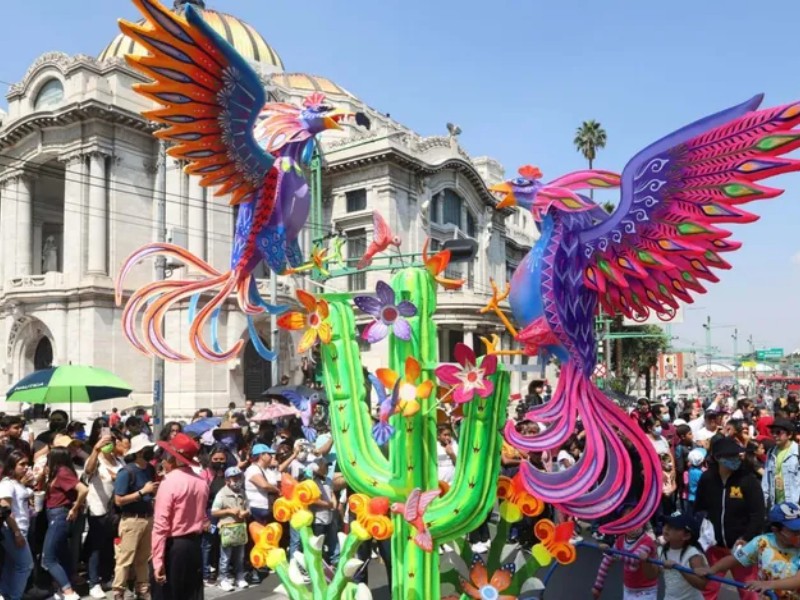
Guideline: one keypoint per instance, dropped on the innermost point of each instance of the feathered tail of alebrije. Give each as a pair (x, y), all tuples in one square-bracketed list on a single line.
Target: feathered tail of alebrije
[(155, 299), (598, 483)]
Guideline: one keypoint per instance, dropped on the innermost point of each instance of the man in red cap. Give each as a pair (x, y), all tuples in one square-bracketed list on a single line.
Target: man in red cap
[(179, 520)]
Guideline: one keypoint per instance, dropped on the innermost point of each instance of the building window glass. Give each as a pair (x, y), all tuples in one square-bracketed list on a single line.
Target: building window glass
[(356, 200), (50, 95), (356, 247), (470, 225), (452, 208), (434, 215)]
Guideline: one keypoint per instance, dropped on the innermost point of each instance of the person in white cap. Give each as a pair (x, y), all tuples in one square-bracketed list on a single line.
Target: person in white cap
[(134, 490)]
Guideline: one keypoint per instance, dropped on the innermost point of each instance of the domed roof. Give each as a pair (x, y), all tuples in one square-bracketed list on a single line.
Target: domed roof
[(309, 83), (247, 41)]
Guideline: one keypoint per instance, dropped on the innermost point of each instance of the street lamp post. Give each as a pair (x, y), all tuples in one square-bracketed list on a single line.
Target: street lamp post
[(735, 338)]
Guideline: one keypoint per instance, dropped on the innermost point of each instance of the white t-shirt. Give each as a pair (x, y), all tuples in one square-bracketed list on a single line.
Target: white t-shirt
[(447, 470), (18, 494), (323, 516), (257, 497), (675, 585), (661, 445), (101, 486)]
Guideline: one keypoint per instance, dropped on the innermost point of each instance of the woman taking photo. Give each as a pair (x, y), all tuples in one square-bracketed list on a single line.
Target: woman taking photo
[(15, 496), (64, 496), (101, 470)]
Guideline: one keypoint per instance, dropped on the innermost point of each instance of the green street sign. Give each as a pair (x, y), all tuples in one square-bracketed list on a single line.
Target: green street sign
[(769, 354)]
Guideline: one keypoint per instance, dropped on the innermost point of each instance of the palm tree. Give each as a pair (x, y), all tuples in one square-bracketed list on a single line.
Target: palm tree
[(589, 138)]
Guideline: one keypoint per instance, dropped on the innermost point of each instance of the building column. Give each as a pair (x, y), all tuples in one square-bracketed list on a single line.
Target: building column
[(196, 222), (24, 225), (98, 215), (74, 199), (469, 335)]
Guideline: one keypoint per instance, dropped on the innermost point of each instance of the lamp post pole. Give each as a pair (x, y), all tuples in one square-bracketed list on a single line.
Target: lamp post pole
[(160, 234)]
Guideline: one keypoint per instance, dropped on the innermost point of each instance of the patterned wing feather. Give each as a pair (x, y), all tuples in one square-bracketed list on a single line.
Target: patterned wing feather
[(299, 401), (209, 99), (666, 236), (382, 233), (426, 498), (412, 505)]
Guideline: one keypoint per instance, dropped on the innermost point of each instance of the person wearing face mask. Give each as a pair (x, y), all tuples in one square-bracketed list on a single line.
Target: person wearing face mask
[(230, 507), (214, 475), (774, 555), (732, 499), (134, 490)]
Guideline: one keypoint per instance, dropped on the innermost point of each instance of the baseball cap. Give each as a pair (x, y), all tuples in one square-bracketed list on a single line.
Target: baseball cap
[(683, 521), (787, 514), (725, 446), (785, 424), (696, 456), (232, 472), (260, 449)]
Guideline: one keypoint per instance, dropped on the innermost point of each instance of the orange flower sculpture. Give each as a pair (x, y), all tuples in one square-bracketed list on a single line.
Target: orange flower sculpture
[(481, 587), (515, 501), (437, 264), (555, 543), (371, 514), (409, 392), (295, 497), (312, 321), (266, 550)]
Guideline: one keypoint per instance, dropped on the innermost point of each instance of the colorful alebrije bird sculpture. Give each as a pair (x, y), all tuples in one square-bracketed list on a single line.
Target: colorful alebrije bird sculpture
[(211, 101), (649, 255)]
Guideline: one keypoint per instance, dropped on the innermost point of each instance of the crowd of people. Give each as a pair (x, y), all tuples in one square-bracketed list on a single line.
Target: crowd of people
[(105, 509)]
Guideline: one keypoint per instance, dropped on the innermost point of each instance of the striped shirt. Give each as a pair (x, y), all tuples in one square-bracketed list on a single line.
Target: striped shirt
[(633, 578)]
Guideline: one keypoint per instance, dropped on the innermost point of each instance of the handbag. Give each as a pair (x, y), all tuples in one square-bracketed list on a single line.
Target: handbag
[(233, 534)]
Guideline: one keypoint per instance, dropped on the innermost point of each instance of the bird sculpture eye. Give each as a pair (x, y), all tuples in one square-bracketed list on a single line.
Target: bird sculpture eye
[(521, 182)]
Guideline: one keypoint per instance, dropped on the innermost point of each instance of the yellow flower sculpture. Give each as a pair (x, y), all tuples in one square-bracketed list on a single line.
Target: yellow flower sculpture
[(409, 392), (371, 514), (555, 543), (295, 497), (515, 501), (266, 550), (312, 321)]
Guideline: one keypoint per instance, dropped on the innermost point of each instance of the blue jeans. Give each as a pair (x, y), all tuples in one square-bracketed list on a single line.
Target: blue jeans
[(56, 558), (231, 562), (261, 515), (17, 567), (100, 544), (209, 542)]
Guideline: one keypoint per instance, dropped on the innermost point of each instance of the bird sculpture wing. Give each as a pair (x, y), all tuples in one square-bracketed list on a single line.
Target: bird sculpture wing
[(299, 401), (382, 234), (209, 98), (663, 240)]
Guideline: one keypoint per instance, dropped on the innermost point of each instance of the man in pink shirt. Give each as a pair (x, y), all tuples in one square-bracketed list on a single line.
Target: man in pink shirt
[(179, 521)]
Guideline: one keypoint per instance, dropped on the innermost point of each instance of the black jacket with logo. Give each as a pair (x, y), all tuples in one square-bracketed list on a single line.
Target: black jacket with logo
[(735, 508)]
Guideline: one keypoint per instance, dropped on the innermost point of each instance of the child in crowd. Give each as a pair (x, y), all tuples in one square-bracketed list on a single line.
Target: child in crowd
[(696, 460), (230, 507), (325, 510), (640, 578), (681, 533)]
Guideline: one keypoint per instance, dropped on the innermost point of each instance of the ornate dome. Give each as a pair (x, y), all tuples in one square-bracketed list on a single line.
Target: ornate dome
[(247, 41), (309, 83)]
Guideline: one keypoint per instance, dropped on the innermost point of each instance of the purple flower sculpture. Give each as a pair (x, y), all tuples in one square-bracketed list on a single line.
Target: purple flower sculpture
[(388, 315)]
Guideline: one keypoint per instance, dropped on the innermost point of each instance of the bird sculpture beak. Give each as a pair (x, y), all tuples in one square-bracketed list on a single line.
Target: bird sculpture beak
[(505, 193), (333, 119)]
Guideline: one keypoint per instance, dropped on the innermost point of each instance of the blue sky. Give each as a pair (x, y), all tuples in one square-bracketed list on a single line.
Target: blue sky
[(519, 77)]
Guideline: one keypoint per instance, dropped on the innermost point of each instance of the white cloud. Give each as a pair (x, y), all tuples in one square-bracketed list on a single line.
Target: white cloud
[(796, 258)]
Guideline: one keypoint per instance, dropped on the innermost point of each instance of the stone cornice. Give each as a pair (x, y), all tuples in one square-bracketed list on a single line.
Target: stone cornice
[(65, 65), (89, 109)]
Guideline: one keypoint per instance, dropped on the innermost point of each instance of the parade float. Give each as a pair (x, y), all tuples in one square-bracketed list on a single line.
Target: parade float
[(649, 255)]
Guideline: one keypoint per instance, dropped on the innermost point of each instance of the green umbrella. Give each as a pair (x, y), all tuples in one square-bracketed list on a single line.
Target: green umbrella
[(68, 383)]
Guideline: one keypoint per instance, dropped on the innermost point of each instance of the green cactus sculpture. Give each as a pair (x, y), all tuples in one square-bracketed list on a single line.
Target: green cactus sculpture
[(412, 451)]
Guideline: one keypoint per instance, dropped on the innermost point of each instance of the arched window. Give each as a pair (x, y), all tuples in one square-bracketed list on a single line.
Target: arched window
[(50, 95)]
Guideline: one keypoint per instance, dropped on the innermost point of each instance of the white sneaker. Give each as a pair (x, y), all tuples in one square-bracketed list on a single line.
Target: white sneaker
[(72, 596), (227, 586), (242, 584), (97, 592)]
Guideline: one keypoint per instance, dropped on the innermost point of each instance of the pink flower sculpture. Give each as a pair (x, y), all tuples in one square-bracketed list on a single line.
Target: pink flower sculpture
[(388, 315), (468, 379)]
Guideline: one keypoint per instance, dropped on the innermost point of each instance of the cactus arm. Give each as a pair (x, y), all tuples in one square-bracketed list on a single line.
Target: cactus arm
[(474, 489), (340, 580), (313, 557), (527, 571), (363, 465), (295, 591)]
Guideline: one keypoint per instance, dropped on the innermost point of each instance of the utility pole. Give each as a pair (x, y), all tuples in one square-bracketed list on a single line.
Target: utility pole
[(160, 235), (752, 347), (735, 338), (707, 327)]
